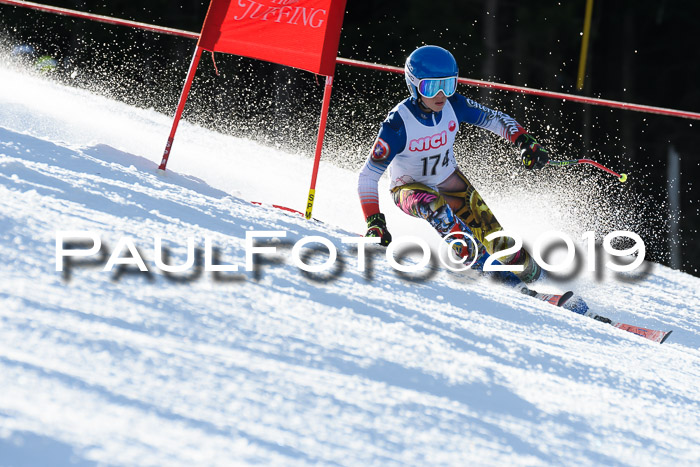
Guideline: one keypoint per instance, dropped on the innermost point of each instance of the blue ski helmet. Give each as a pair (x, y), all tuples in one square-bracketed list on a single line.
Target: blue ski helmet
[(429, 61)]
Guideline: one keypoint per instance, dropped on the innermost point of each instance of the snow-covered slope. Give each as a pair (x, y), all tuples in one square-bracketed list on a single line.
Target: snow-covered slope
[(283, 367)]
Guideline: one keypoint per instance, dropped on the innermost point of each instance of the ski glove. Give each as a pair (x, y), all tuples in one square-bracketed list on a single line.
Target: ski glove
[(377, 228), (533, 155)]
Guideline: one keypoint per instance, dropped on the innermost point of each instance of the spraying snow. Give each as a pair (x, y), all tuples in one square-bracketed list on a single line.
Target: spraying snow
[(278, 366)]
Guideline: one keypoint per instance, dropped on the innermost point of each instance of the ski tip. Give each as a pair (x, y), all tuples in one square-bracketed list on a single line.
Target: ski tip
[(565, 297), (663, 339)]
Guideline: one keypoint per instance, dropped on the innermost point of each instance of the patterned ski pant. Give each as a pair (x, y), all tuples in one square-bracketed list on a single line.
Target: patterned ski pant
[(418, 200)]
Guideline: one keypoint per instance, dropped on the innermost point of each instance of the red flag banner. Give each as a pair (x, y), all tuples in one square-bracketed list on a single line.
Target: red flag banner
[(299, 33)]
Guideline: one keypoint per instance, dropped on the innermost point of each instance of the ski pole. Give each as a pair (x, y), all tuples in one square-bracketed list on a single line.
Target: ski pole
[(622, 178)]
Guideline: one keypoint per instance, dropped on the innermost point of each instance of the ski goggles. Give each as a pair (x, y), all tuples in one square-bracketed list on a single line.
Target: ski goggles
[(430, 87)]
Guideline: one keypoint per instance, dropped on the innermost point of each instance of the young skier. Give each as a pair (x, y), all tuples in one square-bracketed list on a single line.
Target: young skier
[(416, 143)]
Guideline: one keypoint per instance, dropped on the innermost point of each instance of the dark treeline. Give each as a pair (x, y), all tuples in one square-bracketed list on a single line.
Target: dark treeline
[(642, 51)]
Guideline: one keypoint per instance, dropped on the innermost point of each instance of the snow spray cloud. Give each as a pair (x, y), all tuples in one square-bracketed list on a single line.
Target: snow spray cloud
[(88, 246)]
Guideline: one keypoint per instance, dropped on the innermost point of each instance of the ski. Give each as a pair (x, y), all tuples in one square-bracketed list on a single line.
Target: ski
[(653, 335), (554, 299), (577, 305)]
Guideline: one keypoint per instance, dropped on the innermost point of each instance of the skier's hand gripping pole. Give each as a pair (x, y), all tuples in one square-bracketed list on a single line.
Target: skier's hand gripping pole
[(376, 227), (533, 155)]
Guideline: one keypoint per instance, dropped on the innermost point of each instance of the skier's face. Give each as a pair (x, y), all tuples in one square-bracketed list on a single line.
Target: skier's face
[(435, 103)]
